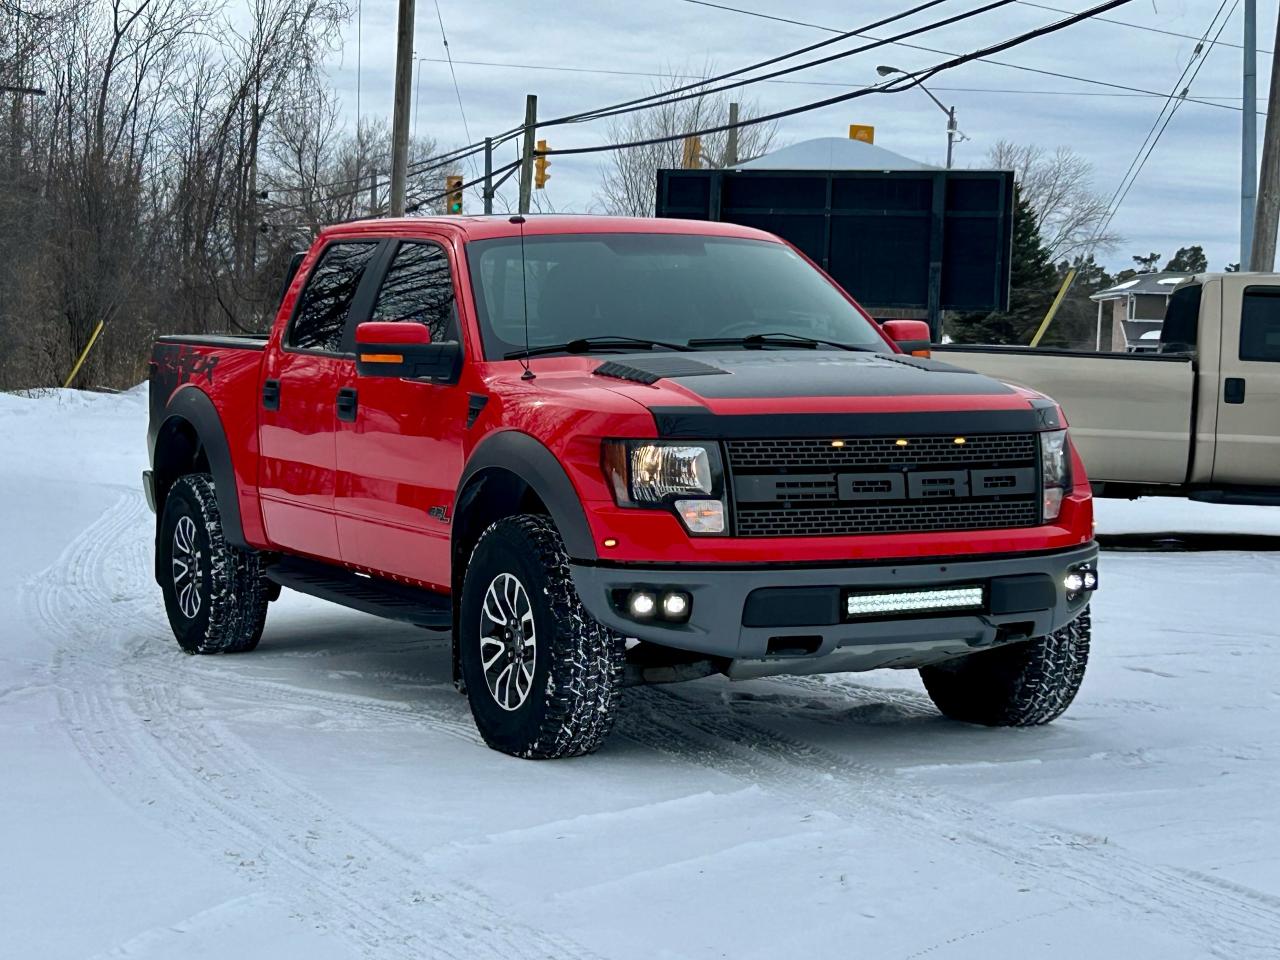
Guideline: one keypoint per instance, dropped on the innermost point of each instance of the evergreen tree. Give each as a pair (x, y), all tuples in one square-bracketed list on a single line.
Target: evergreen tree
[(1189, 260), (1033, 283)]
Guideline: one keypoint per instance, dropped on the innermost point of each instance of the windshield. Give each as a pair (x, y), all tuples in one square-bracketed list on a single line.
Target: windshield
[(666, 287)]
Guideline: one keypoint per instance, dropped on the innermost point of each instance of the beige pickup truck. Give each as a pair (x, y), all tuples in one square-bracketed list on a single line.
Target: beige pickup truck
[(1200, 417)]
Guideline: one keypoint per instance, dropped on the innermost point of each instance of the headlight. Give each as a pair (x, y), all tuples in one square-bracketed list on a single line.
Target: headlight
[(1055, 464), (686, 477)]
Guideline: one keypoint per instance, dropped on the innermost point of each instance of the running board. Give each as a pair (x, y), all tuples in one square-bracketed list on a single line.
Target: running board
[(373, 595)]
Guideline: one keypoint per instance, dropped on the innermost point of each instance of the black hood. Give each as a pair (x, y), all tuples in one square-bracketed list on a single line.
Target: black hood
[(785, 374), (767, 374)]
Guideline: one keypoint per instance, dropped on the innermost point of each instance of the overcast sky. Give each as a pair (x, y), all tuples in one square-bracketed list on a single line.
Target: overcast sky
[(1188, 192)]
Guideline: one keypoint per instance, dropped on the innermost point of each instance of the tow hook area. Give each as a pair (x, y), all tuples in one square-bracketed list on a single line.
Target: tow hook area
[(650, 663)]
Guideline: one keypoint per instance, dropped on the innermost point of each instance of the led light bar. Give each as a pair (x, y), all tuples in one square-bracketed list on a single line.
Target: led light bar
[(914, 601)]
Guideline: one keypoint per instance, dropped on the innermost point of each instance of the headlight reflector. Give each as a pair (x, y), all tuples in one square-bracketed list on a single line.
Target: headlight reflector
[(659, 471), (686, 478), (1055, 463)]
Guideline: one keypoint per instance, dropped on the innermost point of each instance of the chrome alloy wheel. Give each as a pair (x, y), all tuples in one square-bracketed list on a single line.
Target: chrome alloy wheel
[(186, 567), (508, 642)]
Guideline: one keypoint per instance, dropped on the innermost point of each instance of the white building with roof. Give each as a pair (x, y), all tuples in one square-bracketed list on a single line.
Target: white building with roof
[(1136, 308)]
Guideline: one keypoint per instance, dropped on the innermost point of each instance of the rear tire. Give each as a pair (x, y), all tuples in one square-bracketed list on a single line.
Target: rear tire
[(216, 595), (1019, 685), (543, 678)]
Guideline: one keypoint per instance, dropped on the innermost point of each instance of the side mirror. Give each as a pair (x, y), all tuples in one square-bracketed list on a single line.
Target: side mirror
[(913, 336), (404, 350)]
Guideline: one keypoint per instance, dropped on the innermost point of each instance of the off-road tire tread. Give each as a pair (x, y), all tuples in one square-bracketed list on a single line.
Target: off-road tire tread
[(584, 685), (1020, 685), (240, 591)]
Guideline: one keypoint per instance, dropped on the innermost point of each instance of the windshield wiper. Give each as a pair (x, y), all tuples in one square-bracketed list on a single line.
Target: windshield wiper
[(589, 344), (777, 339)]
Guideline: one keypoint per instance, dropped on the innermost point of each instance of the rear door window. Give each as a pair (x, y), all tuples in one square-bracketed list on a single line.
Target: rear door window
[(1181, 320), (418, 288), (1260, 325), (326, 299)]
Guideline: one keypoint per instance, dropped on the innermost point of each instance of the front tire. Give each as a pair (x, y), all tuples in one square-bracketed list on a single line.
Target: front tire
[(1019, 685), (216, 595), (543, 678)]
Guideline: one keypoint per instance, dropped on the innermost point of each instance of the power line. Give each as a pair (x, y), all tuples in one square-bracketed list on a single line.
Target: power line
[(913, 46), (1143, 26), (894, 86), (1175, 100), (449, 55), (1125, 91), (703, 89), (840, 35), (664, 95), (888, 87), (1170, 100)]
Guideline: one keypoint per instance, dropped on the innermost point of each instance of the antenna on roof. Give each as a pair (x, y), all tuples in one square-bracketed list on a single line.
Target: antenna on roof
[(524, 297)]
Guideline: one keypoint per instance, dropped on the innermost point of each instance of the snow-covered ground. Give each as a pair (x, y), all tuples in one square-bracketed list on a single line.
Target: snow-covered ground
[(327, 796)]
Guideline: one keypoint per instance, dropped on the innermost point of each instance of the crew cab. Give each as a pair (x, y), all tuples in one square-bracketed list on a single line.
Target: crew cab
[(602, 451), (1199, 416)]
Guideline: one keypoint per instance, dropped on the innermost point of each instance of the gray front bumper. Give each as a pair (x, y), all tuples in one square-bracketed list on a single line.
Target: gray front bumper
[(715, 626)]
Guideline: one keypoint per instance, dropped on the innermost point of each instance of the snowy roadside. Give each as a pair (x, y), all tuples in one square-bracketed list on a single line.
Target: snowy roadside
[(327, 796)]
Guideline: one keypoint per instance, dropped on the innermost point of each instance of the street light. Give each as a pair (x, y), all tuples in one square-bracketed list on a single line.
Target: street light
[(952, 132)]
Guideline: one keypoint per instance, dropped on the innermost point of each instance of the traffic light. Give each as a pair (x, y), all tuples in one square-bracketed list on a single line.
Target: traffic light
[(453, 193), (540, 164)]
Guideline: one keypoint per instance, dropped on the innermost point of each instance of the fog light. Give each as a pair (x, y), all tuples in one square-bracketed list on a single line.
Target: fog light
[(675, 605), (1080, 579), (643, 605), (701, 516)]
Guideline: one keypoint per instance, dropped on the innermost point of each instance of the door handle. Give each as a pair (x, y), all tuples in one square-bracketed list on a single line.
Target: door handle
[(1233, 390), (271, 394), (347, 404)]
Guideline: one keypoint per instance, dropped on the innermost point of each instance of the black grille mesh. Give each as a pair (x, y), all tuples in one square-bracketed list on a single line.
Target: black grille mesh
[(771, 456), (809, 505)]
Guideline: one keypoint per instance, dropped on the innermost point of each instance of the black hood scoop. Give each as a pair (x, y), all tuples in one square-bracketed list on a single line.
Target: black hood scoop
[(649, 370)]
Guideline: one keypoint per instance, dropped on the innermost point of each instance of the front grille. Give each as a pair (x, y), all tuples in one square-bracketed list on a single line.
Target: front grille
[(814, 488), (789, 455)]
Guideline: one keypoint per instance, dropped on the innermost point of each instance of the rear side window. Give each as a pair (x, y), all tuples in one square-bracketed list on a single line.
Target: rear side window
[(1181, 321), (1260, 325), (418, 288), (326, 298)]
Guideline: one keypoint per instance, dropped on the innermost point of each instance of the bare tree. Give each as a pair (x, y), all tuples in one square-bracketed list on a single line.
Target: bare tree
[(628, 178), (1059, 186)]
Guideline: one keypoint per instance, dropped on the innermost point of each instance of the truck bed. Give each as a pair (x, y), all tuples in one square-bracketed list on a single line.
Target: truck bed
[(1131, 415)]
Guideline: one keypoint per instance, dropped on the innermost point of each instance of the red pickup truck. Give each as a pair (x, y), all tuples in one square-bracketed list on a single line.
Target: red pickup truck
[(602, 451)]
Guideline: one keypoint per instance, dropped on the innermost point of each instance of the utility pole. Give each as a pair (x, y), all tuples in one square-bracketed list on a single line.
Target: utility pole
[(731, 141), (487, 190), (400, 119), (1249, 133), (1267, 212), (951, 133), (526, 151)]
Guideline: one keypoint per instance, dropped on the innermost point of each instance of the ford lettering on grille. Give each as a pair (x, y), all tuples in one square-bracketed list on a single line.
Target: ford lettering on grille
[(876, 485)]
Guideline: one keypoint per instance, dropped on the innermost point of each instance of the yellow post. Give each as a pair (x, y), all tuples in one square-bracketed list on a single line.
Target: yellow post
[(87, 347), (1053, 307)]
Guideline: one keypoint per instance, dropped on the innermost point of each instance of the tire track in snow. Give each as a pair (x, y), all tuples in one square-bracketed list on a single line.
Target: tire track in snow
[(1226, 922), (127, 716)]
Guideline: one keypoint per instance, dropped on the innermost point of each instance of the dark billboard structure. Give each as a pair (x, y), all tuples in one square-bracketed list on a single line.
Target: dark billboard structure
[(926, 240)]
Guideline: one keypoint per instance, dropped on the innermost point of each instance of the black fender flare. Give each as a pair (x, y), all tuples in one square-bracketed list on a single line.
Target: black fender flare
[(528, 459), (193, 406)]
